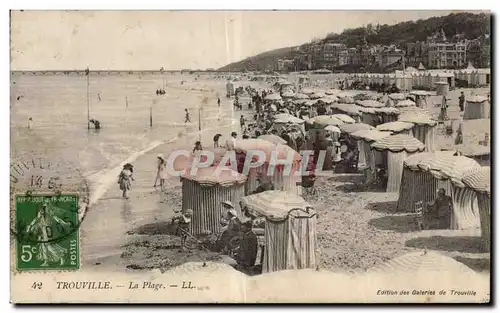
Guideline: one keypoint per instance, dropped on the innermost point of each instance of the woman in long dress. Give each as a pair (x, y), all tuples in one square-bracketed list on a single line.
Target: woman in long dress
[(125, 179), (162, 171), (43, 226)]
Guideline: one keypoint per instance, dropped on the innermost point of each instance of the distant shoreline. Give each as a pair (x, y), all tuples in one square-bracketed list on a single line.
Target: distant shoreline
[(111, 72)]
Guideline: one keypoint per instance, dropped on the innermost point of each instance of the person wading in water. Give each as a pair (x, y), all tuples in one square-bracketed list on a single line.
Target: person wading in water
[(125, 179)]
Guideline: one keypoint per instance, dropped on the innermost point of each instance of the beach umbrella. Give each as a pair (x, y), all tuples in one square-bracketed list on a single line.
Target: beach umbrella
[(369, 135), (396, 127), (398, 148), (332, 97), (310, 102), (273, 139), (351, 128), (273, 97), (292, 246), (301, 96), (203, 192), (405, 103), (288, 94)]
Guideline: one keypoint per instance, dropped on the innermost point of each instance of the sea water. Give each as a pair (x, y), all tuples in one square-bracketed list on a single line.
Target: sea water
[(122, 104)]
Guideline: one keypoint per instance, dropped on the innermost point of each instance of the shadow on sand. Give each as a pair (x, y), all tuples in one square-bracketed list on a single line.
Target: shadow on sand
[(476, 264), (388, 207), (160, 228), (397, 223), (459, 244)]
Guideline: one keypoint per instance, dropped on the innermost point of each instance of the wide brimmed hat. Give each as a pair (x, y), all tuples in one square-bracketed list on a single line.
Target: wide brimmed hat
[(228, 203), (160, 156)]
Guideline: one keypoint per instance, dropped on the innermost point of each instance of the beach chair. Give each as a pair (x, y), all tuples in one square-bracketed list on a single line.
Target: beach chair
[(419, 215)]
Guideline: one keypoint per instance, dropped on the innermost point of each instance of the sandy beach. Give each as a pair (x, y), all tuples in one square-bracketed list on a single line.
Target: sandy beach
[(357, 228)]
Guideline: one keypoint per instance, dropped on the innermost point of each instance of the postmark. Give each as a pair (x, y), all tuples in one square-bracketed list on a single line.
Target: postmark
[(49, 201)]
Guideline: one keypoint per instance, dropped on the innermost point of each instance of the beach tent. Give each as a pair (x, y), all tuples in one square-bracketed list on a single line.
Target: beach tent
[(421, 98), (387, 114), (342, 108), (396, 127), (424, 174), (397, 148), (480, 153), (421, 67), (273, 97), (290, 229), (283, 161), (478, 180), (442, 88), (348, 129), (229, 88), (203, 193), (476, 107), (424, 129), (372, 158), (281, 120), (405, 103)]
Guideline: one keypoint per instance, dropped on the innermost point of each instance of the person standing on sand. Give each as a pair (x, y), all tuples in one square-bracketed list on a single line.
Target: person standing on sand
[(232, 141), (197, 146), (218, 102), (461, 101), (125, 179), (30, 123), (161, 173), (188, 118)]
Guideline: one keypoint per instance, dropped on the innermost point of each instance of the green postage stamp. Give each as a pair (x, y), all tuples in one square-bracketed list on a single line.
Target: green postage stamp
[(47, 232)]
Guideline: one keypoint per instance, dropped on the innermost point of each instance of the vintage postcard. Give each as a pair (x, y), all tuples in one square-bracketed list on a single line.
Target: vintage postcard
[(244, 157)]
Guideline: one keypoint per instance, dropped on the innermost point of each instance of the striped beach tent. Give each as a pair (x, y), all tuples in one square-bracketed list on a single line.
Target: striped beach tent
[(424, 129), (387, 114), (396, 127), (370, 104), (440, 170), (397, 148), (372, 158), (476, 107), (301, 96), (417, 184), (279, 167), (478, 180), (203, 192), (290, 229)]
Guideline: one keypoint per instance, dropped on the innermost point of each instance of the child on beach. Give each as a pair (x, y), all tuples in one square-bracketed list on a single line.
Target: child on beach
[(183, 221), (216, 140), (188, 118), (161, 171), (197, 146), (125, 179)]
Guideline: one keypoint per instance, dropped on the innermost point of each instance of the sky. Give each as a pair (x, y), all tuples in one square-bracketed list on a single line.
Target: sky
[(149, 40)]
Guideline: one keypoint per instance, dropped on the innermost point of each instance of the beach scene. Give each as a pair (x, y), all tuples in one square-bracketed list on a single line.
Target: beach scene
[(399, 174)]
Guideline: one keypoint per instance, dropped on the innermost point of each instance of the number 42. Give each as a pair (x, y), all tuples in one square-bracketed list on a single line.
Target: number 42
[(37, 285)]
